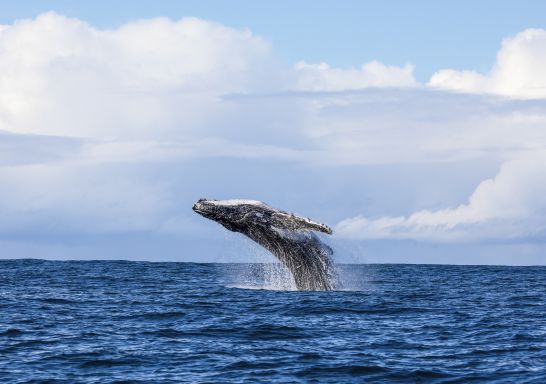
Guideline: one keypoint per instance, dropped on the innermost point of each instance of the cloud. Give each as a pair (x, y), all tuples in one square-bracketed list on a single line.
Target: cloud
[(510, 206), (383, 126), (75, 198), (147, 79), (322, 77), (16, 149), (62, 76), (114, 132), (518, 71)]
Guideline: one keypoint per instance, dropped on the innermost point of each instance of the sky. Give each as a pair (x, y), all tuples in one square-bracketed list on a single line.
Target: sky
[(416, 130)]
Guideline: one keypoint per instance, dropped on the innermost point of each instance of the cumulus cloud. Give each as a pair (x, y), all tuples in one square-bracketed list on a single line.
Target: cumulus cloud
[(62, 76), (151, 78), (518, 71), (510, 206)]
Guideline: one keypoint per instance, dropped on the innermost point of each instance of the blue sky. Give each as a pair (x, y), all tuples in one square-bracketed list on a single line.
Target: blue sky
[(417, 130)]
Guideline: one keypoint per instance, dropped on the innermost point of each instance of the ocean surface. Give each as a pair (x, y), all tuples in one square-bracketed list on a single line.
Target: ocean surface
[(125, 322)]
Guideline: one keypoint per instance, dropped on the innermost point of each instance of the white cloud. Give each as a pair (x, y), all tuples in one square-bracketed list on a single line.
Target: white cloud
[(518, 72), (512, 205), (147, 79), (322, 77), (400, 126), (62, 76)]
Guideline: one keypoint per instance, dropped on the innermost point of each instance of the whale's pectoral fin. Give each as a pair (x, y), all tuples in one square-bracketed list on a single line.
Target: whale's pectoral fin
[(297, 222)]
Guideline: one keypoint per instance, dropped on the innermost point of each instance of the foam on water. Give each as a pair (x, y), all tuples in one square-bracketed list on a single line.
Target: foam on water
[(276, 277), (270, 276), (264, 271)]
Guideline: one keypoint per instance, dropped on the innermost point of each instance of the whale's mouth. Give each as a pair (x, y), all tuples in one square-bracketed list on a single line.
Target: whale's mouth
[(200, 210), (199, 206), (203, 210)]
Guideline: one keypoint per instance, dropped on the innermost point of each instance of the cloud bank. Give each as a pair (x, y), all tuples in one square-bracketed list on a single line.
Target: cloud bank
[(510, 206), (146, 79), (115, 132)]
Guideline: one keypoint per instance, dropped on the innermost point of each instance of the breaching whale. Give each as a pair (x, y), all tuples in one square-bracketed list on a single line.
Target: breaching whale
[(287, 236)]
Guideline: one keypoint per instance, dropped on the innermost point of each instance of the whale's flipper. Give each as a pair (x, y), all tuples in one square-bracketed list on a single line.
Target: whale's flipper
[(287, 236), (298, 222)]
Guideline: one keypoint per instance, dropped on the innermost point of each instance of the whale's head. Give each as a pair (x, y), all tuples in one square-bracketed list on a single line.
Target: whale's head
[(234, 215), (238, 215)]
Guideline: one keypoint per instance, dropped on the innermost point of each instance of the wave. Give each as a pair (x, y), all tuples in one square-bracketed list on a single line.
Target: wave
[(11, 332), (178, 322)]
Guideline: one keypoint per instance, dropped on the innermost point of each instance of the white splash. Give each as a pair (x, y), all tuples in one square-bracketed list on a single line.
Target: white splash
[(267, 276), (265, 272)]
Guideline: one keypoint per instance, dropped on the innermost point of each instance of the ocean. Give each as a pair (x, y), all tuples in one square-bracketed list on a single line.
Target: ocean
[(143, 322)]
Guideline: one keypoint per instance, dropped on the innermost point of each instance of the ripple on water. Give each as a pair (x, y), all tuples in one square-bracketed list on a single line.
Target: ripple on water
[(11, 332), (179, 322)]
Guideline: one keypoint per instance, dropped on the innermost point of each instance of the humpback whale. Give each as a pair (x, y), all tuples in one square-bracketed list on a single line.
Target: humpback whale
[(288, 237)]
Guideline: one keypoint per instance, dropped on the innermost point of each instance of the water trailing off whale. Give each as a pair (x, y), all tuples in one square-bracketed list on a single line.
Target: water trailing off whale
[(287, 236)]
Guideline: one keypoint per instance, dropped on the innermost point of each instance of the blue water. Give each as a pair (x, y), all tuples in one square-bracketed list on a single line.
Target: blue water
[(114, 321)]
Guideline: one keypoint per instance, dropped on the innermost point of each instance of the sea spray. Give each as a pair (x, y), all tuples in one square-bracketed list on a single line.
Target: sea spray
[(270, 276), (262, 271)]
